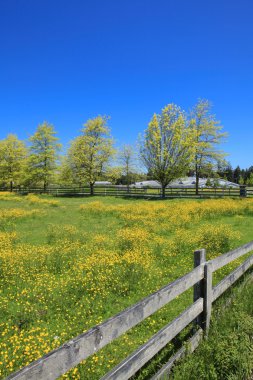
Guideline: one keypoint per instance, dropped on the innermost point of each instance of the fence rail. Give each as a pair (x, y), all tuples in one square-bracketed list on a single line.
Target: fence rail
[(70, 354), (146, 192)]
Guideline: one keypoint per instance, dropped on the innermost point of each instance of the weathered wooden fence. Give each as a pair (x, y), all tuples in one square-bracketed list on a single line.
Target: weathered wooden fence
[(145, 192), (74, 351)]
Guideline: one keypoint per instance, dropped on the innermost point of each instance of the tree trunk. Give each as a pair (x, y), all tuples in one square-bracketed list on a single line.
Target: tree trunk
[(163, 191), (45, 186), (128, 187), (92, 188), (11, 186), (197, 180)]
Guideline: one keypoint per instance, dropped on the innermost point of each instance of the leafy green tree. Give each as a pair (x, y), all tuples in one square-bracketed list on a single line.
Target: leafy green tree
[(229, 173), (66, 175), (90, 153), (113, 174), (135, 176), (127, 161), (244, 175), (215, 182), (73, 170), (167, 148), (43, 157), (13, 154), (248, 172), (250, 180), (237, 174), (208, 136), (241, 180)]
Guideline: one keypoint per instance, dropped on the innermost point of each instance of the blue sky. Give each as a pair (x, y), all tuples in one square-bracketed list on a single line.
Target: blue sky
[(66, 61)]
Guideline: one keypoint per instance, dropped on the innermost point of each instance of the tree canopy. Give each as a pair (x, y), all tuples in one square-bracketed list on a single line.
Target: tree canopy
[(43, 154), (207, 134), (167, 147), (13, 154), (127, 161), (90, 152)]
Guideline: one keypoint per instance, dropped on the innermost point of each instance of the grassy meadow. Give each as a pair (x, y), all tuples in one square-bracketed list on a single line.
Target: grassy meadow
[(228, 352), (67, 264)]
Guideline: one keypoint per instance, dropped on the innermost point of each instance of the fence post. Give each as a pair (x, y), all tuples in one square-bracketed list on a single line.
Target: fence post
[(203, 289), (208, 296), (198, 290), (243, 191)]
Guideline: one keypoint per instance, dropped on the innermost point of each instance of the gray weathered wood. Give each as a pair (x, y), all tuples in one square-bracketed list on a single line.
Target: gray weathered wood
[(199, 258), (208, 296), (70, 354), (225, 259), (198, 289), (223, 285), (189, 347), (134, 362)]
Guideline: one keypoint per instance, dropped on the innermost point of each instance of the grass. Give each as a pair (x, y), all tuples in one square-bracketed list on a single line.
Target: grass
[(69, 264), (228, 352)]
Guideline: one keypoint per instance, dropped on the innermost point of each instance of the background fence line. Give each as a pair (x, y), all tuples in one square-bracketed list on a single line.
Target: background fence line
[(145, 192), (67, 356)]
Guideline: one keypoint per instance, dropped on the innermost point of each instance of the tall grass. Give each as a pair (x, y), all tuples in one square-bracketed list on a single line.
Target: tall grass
[(228, 352), (68, 265)]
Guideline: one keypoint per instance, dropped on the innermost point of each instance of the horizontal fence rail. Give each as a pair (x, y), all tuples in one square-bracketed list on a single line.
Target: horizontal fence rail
[(134, 362), (225, 259), (192, 344), (229, 280), (70, 354)]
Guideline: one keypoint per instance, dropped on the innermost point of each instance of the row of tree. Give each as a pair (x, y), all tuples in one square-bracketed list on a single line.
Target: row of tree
[(237, 175), (174, 143)]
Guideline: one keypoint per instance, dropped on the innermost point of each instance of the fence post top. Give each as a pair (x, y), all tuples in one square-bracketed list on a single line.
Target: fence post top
[(199, 257)]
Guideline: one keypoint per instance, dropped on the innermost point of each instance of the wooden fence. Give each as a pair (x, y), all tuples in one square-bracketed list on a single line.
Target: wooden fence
[(145, 192), (74, 351)]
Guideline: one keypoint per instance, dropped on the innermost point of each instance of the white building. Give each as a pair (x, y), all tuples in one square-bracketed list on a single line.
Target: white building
[(102, 183), (187, 182)]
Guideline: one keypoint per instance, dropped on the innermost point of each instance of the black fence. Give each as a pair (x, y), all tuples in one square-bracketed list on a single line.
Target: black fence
[(144, 192)]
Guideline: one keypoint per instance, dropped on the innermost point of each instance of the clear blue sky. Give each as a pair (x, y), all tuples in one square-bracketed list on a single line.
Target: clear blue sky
[(65, 61)]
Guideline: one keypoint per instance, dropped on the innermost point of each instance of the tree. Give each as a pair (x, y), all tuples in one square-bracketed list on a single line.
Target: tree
[(65, 175), (250, 180), (13, 154), (167, 149), (229, 172), (241, 180), (113, 174), (127, 160), (90, 153), (208, 182), (135, 176), (221, 168), (208, 136), (243, 174), (44, 148), (215, 182), (237, 174)]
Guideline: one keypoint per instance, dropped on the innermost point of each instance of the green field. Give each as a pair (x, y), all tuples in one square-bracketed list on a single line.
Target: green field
[(228, 352), (70, 263)]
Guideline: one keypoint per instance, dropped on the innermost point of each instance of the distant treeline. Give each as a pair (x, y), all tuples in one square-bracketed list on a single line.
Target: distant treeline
[(237, 175), (174, 144)]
